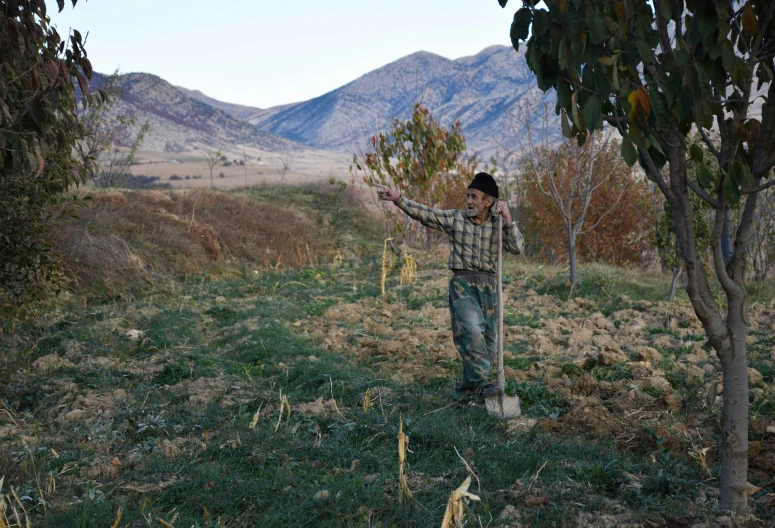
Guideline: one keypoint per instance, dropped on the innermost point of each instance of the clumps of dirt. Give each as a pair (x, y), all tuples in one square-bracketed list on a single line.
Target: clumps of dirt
[(203, 391), (49, 363), (89, 407), (622, 375), (318, 407)]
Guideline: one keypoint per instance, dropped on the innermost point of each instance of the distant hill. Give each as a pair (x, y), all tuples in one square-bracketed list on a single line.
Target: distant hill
[(479, 91), (183, 122)]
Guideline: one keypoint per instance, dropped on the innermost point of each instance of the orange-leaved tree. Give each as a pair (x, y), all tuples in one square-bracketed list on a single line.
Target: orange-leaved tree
[(585, 193), (423, 160)]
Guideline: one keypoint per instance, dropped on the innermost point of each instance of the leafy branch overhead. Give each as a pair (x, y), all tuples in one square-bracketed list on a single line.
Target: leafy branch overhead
[(651, 67)]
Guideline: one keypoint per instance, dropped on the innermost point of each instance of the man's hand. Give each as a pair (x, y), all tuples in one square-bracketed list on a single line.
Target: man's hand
[(503, 209), (387, 194)]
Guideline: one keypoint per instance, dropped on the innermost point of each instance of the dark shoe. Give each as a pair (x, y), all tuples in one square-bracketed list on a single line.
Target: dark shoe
[(462, 395), (490, 389)]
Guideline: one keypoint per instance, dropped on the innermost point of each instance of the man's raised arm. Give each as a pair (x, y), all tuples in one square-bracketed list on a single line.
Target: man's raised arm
[(440, 219)]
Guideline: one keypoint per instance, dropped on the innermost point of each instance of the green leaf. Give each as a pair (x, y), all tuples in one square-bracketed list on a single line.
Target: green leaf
[(707, 18), (520, 27), (730, 189), (696, 152), (628, 151), (577, 119), (597, 28), (680, 53), (592, 112), (566, 132), (704, 176), (646, 52), (655, 143), (540, 22)]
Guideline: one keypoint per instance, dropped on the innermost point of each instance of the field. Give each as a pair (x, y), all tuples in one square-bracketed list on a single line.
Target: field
[(176, 385)]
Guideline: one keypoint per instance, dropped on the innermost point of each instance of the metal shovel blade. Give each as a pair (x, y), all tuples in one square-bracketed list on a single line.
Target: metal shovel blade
[(503, 406)]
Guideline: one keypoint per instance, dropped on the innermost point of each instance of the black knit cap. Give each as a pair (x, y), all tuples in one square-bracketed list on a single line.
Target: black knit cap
[(485, 183)]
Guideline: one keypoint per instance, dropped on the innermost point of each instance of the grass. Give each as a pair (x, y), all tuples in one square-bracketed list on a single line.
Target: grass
[(220, 349)]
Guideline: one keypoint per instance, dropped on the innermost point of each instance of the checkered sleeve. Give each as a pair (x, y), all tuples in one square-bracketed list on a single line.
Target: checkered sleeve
[(440, 219), (513, 242)]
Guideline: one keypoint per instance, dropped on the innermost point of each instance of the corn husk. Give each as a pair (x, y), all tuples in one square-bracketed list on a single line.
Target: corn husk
[(455, 512)]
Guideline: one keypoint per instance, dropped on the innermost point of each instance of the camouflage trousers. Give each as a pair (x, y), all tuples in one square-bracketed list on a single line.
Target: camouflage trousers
[(473, 305)]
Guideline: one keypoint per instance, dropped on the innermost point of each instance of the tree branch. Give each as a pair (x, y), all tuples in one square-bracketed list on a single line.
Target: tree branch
[(702, 194), (758, 188), (709, 143)]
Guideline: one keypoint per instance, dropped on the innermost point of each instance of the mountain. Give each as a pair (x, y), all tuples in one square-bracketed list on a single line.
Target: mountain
[(479, 90), (180, 121)]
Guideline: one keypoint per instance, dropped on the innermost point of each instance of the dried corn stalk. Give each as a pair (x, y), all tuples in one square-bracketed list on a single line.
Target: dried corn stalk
[(118, 518), (337, 259), (386, 265), (403, 447), (409, 267), (456, 505), (254, 421), (283, 405), (8, 507)]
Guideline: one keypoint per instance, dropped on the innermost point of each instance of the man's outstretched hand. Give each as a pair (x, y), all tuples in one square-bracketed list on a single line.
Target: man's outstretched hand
[(387, 194), (503, 209)]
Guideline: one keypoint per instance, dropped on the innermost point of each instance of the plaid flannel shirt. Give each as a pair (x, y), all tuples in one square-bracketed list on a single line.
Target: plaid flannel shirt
[(472, 247)]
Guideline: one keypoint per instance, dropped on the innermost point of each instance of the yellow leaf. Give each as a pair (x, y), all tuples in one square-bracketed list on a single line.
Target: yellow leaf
[(643, 101)]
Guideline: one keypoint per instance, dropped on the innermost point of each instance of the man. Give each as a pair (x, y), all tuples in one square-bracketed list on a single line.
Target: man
[(473, 250)]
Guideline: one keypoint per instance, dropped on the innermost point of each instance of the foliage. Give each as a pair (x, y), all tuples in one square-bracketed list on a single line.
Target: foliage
[(109, 146), (421, 159), (656, 70), (38, 129), (665, 240), (593, 192)]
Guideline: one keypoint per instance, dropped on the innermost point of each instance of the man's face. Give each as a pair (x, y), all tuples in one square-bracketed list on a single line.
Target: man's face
[(477, 202)]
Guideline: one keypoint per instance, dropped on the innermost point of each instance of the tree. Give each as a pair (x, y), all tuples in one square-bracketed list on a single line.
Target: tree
[(212, 159), (423, 160), (570, 175), (108, 147), (39, 126), (656, 70), (287, 159)]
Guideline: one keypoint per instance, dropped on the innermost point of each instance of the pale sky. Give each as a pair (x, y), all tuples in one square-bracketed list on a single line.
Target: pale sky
[(270, 52)]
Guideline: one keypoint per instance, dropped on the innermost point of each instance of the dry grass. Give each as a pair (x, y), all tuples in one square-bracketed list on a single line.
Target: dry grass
[(133, 237)]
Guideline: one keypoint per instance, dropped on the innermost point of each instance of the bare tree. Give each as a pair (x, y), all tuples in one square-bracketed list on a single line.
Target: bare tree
[(212, 159), (567, 173), (287, 158), (110, 144)]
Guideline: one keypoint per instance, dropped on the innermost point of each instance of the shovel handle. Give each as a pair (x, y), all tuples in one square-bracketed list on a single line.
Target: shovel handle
[(501, 374)]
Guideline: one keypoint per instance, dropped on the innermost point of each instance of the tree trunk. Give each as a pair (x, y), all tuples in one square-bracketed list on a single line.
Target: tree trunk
[(676, 275), (734, 415), (726, 237), (572, 259)]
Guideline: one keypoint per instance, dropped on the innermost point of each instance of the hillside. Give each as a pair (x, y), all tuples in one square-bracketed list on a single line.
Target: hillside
[(479, 91), (180, 122)]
